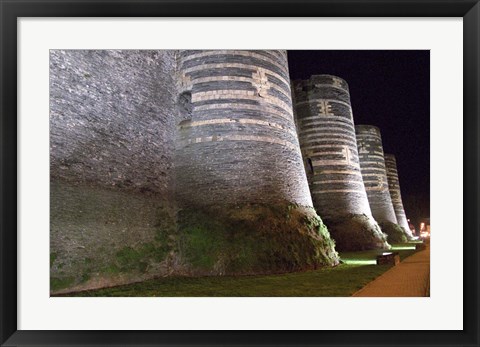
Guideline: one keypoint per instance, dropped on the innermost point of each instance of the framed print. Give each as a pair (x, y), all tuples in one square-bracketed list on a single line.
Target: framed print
[(239, 173)]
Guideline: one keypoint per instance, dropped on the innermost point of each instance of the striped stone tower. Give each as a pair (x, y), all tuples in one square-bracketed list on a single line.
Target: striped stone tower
[(395, 193), (238, 159), (327, 139), (372, 163)]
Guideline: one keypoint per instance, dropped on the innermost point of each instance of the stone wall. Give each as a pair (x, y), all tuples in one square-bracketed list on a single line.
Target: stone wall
[(238, 144), (372, 163), (237, 154), (374, 173), (395, 193), (327, 139), (111, 166), (192, 163)]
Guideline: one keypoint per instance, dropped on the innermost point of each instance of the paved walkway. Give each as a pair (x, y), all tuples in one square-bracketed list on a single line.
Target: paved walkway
[(409, 278)]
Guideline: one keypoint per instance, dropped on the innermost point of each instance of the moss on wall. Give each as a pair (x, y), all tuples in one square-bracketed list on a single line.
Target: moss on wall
[(255, 239), (356, 233), (103, 237), (395, 233)]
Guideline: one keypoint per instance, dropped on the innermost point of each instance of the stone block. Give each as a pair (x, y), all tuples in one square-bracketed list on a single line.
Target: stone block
[(388, 258)]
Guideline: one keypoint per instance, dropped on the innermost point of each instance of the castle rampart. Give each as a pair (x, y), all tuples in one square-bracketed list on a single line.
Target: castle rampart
[(372, 163), (192, 163), (395, 193), (239, 143), (111, 166), (327, 138), (238, 153)]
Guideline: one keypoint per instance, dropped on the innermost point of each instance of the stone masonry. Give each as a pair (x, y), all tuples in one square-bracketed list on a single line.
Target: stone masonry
[(239, 142), (395, 193), (111, 166), (372, 163), (167, 162), (176, 162), (327, 138), (237, 153), (374, 173)]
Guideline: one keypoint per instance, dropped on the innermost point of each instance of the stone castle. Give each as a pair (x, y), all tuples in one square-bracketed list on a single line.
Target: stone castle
[(199, 163)]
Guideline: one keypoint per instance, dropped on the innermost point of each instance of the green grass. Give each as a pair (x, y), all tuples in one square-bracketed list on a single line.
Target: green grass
[(404, 249), (357, 270), (60, 283), (342, 280)]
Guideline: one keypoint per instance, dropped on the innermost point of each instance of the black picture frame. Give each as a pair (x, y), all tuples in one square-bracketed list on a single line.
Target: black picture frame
[(11, 10)]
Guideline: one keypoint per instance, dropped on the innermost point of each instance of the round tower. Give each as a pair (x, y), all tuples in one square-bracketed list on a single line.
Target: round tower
[(327, 139), (372, 163), (238, 164), (395, 193), (112, 215)]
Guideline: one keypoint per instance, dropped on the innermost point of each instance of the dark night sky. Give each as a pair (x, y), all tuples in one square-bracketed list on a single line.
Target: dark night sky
[(389, 89)]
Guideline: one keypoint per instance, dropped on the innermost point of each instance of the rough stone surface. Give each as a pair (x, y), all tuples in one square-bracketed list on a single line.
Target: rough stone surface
[(395, 193), (374, 174), (111, 156), (389, 258), (327, 138), (237, 145), (394, 232), (131, 133), (111, 118), (255, 239)]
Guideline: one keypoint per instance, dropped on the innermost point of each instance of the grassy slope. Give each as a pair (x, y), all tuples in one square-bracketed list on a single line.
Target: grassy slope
[(358, 269)]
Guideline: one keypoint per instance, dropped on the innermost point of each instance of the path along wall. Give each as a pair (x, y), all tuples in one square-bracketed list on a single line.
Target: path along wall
[(327, 138)]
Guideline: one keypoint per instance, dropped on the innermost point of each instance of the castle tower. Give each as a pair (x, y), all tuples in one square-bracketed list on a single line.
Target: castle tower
[(327, 139), (112, 217), (238, 161), (395, 193), (372, 163)]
